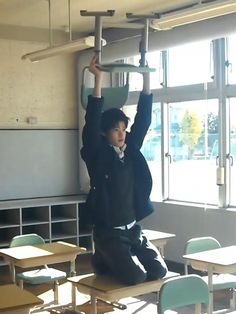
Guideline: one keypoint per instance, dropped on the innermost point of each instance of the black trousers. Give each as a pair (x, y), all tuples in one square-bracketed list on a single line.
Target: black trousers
[(127, 255)]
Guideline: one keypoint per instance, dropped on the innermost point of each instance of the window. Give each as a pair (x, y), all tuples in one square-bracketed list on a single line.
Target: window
[(192, 134), (231, 62), (153, 61), (193, 129), (232, 160), (189, 64)]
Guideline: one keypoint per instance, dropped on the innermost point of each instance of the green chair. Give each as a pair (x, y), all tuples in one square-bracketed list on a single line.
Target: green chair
[(44, 275), (114, 97), (183, 291), (219, 281)]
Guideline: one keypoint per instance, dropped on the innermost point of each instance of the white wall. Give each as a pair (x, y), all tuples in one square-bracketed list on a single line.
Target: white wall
[(191, 221), (45, 90)]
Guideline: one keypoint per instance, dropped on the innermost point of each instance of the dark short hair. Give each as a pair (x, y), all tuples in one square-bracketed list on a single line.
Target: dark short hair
[(111, 117)]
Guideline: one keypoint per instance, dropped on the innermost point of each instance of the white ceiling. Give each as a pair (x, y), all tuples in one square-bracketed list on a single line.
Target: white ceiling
[(34, 14)]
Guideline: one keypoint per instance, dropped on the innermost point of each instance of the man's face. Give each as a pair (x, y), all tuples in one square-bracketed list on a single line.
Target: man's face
[(116, 136)]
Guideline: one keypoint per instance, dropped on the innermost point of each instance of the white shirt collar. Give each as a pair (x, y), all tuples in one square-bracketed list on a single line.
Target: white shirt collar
[(120, 150)]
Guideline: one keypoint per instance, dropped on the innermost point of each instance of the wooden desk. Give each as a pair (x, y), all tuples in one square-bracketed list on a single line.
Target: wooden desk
[(221, 260), (16, 300), (107, 288), (41, 254), (158, 238)]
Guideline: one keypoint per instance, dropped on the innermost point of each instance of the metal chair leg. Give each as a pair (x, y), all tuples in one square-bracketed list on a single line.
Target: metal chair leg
[(21, 284), (233, 300), (55, 291)]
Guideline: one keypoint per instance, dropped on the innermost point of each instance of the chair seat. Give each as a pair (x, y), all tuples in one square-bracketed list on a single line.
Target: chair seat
[(222, 281), (40, 276)]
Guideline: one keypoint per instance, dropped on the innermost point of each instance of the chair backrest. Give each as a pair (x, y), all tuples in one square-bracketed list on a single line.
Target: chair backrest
[(182, 291), (200, 244), (114, 96), (26, 239)]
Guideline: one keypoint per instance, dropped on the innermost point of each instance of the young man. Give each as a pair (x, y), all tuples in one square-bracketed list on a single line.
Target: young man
[(120, 187)]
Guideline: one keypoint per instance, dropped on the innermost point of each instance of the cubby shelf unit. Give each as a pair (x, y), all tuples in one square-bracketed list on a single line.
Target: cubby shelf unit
[(53, 218)]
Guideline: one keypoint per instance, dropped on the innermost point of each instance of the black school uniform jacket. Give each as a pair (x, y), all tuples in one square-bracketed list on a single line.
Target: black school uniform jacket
[(99, 157)]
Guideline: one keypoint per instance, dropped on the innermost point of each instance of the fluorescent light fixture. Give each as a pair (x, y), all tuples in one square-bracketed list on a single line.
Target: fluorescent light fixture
[(195, 14), (71, 46)]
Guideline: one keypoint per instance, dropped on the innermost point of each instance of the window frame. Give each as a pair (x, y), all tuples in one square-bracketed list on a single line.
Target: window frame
[(218, 89)]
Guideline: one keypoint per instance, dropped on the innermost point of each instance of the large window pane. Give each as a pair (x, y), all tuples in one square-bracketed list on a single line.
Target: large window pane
[(151, 148), (193, 132), (232, 59), (189, 64), (233, 151), (154, 61)]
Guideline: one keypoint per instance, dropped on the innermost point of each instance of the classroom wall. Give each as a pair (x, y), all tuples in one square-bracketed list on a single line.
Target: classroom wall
[(188, 221), (38, 123), (44, 91)]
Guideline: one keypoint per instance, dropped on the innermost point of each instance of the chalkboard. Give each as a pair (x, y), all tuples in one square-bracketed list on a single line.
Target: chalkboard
[(38, 163)]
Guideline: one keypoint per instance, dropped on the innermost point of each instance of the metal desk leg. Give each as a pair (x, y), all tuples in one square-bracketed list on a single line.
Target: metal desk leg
[(73, 296), (72, 268), (12, 272), (161, 250), (93, 304), (210, 286)]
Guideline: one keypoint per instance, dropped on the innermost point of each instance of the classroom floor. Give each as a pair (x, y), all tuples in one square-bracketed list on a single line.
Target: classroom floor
[(145, 304)]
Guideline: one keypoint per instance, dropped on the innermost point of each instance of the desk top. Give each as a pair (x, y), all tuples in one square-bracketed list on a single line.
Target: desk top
[(13, 297), (224, 256), (157, 235), (110, 289), (221, 260), (35, 255)]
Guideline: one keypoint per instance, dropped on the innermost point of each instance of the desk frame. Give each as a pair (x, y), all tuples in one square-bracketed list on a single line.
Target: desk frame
[(158, 238), (38, 255), (220, 261), (107, 289)]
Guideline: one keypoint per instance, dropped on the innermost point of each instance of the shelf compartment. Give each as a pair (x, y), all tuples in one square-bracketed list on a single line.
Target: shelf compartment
[(86, 242), (64, 230), (9, 218), (35, 215), (40, 229), (7, 234), (85, 225), (65, 212)]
